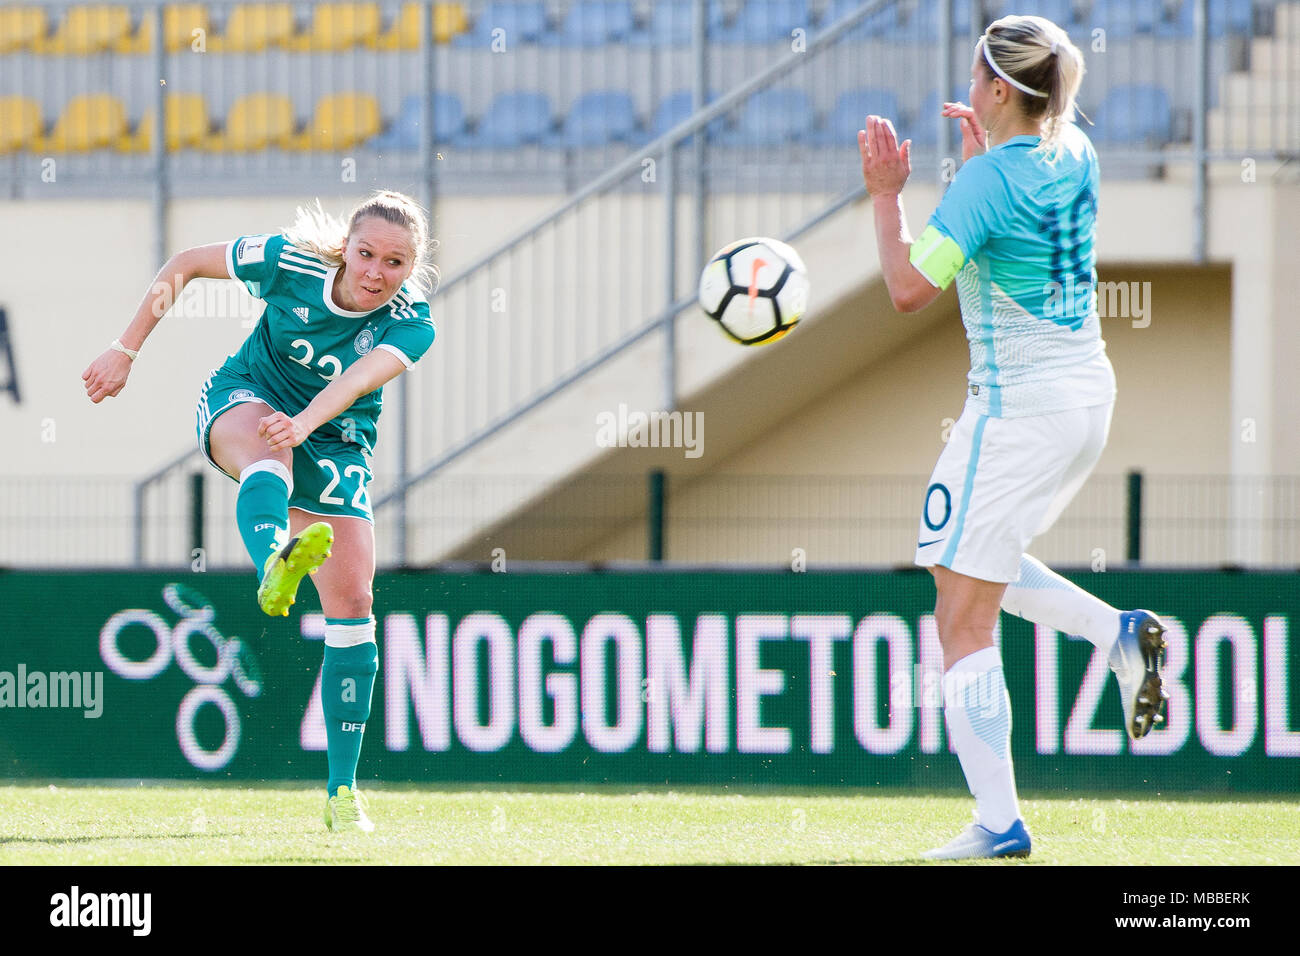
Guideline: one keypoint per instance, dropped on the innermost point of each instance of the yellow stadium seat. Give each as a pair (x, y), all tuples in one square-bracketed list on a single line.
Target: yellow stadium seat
[(87, 30), (180, 20), (22, 27), (20, 123), (255, 122), (339, 26), (187, 125), (341, 121), (449, 19), (252, 27), (89, 122)]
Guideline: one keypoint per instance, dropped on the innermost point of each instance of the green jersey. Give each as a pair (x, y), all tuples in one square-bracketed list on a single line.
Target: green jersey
[(304, 341)]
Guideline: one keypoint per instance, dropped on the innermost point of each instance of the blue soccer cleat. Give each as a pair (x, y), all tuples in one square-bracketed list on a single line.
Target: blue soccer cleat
[(1136, 659), (980, 843)]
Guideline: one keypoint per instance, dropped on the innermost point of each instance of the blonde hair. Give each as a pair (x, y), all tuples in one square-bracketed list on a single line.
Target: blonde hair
[(326, 236), (1035, 53)]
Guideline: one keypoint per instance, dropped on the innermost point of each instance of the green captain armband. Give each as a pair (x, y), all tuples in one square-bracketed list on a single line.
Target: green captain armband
[(937, 257)]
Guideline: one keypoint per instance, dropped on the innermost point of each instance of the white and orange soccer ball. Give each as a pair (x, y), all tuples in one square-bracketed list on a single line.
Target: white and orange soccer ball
[(755, 289)]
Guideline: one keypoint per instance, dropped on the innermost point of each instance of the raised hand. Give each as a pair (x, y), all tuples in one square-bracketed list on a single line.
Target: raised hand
[(974, 138), (885, 165)]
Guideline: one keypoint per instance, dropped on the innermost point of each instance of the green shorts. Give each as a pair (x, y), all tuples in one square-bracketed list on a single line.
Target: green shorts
[(329, 475)]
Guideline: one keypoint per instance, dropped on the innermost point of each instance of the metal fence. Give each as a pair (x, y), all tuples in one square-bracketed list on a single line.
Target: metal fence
[(772, 521)]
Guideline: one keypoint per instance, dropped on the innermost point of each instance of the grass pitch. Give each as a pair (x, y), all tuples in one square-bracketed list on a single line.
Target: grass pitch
[(161, 823)]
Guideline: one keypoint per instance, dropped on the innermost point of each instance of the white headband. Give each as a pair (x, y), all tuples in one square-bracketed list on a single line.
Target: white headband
[(988, 57)]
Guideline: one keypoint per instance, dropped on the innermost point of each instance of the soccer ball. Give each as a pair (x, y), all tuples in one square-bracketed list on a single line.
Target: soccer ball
[(755, 289)]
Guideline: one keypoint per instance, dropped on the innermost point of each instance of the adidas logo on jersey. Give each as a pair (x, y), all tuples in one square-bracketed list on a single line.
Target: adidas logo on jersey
[(302, 312)]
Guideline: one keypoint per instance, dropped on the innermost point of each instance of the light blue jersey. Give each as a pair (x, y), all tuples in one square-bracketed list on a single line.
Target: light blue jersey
[(1016, 230)]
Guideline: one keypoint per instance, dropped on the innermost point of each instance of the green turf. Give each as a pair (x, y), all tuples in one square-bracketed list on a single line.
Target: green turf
[(176, 823)]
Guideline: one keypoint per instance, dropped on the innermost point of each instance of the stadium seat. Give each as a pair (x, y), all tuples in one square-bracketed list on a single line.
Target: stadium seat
[(1226, 16), (597, 118), (180, 20), (594, 23), (676, 108), (924, 25), (89, 122), (252, 27), (22, 27), (404, 131), (255, 122), (449, 20), (512, 119), (923, 129), (523, 22), (771, 118), (766, 21), (339, 26), (1125, 18), (881, 22), (87, 30), (672, 22), (341, 121), (1060, 12), (850, 112), (20, 123), (186, 126), (1136, 115)]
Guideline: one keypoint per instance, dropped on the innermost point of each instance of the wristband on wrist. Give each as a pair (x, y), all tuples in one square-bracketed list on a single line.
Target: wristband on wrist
[(117, 346)]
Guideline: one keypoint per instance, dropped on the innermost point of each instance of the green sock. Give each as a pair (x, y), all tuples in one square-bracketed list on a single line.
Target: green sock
[(347, 680), (262, 510)]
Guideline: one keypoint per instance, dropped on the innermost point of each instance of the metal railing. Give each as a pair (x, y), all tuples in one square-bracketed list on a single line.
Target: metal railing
[(772, 520)]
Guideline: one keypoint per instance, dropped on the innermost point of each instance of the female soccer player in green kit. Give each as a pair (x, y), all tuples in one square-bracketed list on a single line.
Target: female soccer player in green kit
[(292, 417), (1016, 230)]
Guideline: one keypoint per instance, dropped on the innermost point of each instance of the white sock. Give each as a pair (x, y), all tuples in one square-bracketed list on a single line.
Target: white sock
[(1044, 597), (978, 713)]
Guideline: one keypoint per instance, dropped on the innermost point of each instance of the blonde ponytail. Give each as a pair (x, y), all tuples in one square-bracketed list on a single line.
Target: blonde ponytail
[(1035, 54)]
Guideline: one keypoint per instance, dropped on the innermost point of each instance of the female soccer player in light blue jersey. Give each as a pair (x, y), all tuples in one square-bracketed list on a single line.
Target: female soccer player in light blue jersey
[(292, 417), (1016, 229)]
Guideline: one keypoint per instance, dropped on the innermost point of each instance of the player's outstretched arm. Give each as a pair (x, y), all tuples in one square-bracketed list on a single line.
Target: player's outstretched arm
[(106, 376), (363, 376), (885, 168)]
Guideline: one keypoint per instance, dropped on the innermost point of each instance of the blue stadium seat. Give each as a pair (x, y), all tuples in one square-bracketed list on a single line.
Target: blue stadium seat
[(518, 118), (849, 114), (404, 131), (597, 118), (772, 118), (1226, 16), (924, 26), (1137, 115), (672, 21), (523, 22), (1125, 18), (923, 129), (1060, 12), (594, 23), (766, 21), (883, 22), (676, 108)]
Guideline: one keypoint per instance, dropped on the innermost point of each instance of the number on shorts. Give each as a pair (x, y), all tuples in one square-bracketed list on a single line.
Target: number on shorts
[(359, 500), (325, 497)]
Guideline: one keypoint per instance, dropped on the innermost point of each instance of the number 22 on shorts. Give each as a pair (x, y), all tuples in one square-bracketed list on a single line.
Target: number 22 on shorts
[(359, 499)]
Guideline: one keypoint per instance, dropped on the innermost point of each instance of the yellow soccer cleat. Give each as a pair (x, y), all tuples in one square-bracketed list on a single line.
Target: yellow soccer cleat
[(346, 810), (284, 571)]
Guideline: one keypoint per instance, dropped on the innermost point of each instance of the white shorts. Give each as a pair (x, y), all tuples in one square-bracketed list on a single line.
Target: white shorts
[(1000, 482)]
